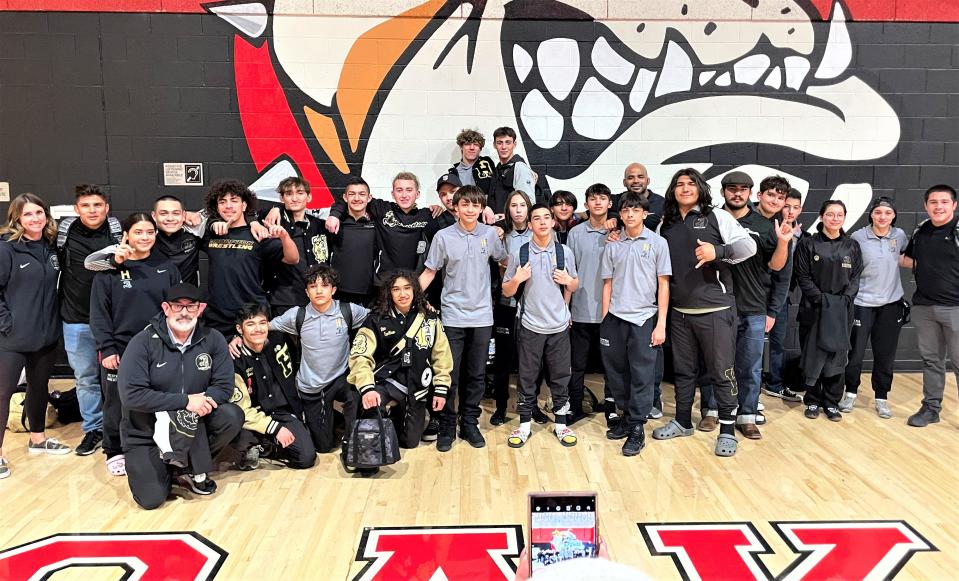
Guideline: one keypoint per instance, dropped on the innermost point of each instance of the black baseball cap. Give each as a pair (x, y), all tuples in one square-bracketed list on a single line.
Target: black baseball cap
[(450, 178), (737, 178), (184, 290)]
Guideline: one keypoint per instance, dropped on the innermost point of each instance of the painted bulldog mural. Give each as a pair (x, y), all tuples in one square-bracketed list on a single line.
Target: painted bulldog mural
[(763, 86)]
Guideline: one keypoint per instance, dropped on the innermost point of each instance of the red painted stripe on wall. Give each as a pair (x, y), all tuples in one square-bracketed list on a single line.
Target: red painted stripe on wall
[(875, 10)]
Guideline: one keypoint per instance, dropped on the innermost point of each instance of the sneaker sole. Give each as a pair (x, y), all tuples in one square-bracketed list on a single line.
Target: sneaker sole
[(39, 451), (630, 453), (623, 437), (85, 453), (4, 474), (431, 438)]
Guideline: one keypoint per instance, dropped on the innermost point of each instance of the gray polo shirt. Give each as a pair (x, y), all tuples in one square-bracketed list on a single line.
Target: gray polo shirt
[(880, 283), (467, 301), (545, 309), (635, 264), (324, 342), (587, 244), (514, 240)]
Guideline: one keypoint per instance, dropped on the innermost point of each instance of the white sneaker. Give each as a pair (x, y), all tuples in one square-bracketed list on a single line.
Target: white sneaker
[(847, 403), (4, 468), (882, 408), (760, 407)]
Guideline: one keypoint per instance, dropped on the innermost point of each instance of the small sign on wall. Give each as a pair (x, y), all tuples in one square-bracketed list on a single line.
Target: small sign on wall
[(4, 191), (182, 174)]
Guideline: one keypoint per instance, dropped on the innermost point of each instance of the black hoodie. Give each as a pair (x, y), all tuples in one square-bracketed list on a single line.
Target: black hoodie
[(155, 376), (29, 305)]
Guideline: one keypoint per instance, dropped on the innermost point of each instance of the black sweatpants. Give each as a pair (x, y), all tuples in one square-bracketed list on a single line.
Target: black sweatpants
[(540, 351), (584, 347), (150, 478), (504, 325), (712, 336), (112, 412), (826, 393), (631, 378), (318, 409), (408, 415), (880, 326), (39, 366), (470, 349), (301, 454)]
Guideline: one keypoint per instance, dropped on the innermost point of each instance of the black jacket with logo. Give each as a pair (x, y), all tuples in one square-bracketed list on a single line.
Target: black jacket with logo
[(483, 170), (354, 254), (123, 301), (264, 383), (155, 376), (286, 283), (29, 305), (182, 248), (827, 266)]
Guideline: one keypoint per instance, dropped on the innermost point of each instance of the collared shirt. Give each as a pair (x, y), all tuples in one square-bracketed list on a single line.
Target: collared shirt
[(181, 346), (324, 342), (635, 264), (587, 244), (544, 306), (880, 283), (467, 300), (514, 240), (465, 173)]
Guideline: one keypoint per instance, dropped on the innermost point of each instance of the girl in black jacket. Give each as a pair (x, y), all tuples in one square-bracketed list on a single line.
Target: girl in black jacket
[(827, 268), (29, 316), (122, 303)]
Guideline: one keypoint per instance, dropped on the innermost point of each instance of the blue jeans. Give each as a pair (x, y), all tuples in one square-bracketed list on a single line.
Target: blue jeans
[(82, 354), (750, 336), (777, 350)]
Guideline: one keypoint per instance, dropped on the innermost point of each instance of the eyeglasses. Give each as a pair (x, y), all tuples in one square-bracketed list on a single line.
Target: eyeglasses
[(833, 216), (190, 308)]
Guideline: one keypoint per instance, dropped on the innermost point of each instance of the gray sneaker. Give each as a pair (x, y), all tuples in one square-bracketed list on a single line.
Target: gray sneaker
[(654, 414), (882, 408), (49, 446), (4, 468), (847, 403)]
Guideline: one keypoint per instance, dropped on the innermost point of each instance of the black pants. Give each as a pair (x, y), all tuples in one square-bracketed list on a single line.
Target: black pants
[(825, 393), (631, 379), (584, 346), (470, 349), (301, 454), (538, 351), (39, 366), (151, 479), (712, 336), (408, 415), (504, 325), (318, 409), (112, 412), (880, 326)]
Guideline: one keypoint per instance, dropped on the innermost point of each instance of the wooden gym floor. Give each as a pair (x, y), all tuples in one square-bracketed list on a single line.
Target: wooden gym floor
[(279, 523)]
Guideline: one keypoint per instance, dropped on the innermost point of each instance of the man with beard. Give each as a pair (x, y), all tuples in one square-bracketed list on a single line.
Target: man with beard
[(703, 243), (636, 180), (758, 299), (175, 382), (472, 169)]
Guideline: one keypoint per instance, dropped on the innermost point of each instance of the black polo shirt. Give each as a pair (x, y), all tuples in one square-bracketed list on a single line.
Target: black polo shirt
[(354, 254), (937, 264)]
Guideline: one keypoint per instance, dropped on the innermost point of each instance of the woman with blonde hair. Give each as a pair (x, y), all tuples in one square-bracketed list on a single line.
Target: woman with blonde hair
[(29, 317)]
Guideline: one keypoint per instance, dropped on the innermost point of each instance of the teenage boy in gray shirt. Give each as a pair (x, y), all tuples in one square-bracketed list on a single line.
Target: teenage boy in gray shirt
[(587, 240), (463, 251), (542, 337), (635, 272), (325, 347)]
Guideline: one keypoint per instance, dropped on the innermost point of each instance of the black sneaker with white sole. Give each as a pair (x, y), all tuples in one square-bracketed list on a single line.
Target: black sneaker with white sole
[(786, 394), (198, 484), (432, 430), (92, 441)]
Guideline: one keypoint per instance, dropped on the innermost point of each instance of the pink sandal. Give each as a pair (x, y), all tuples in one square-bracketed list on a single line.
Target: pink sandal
[(117, 465)]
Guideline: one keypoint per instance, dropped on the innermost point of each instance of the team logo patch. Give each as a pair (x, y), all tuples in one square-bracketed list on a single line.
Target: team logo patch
[(188, 245), (604, 342), (237, 395), (359, 345), (484, 169), (204, 362), (187, 420), (424, 337), (320, 249), (421, 247), (54, 262)]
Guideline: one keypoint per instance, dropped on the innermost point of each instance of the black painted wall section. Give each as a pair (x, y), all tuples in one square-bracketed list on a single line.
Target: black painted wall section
[(106, 98)]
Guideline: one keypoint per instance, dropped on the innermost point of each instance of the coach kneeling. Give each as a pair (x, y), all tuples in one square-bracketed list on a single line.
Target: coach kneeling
[(175, 382)]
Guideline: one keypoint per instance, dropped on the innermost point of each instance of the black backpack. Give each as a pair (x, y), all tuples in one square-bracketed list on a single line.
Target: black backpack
[(345, 310), (373, 443), (67, 406)]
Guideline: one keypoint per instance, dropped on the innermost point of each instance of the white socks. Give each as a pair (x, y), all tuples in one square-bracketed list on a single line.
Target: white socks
[(524, 427)]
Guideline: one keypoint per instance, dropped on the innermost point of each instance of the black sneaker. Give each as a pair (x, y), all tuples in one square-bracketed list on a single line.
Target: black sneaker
[(198, 484), (574, 416), (812, 412), (250, 459), (471, 433), (923, 418), (92, 441), (432, 430), (444, 441), (635, 442), (833, 415), (618, 431), (539, 417), (786, 394), (498, 418)]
